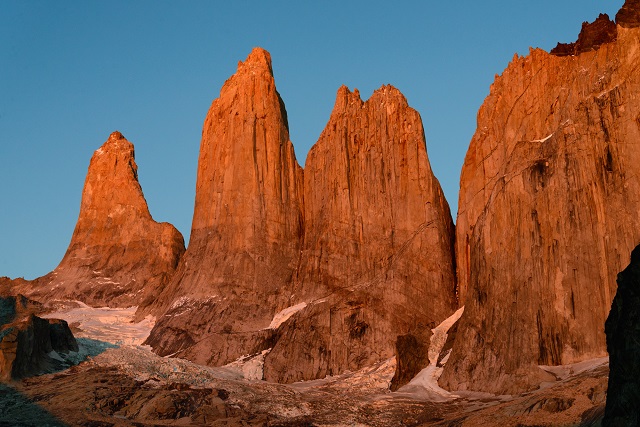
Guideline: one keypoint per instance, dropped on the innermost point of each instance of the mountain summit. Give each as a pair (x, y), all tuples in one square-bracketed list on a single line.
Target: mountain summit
[(247, 223), (118, 255)]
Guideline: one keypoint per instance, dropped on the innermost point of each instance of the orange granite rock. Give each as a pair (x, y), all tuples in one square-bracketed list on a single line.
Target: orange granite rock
[(118, 255), (247, 223), (377, 252), (548, 214)]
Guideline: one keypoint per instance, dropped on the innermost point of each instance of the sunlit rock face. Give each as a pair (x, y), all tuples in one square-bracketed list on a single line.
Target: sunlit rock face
[(548, 213), (326, 267), (377, 251), (248, 219), (118, 255)]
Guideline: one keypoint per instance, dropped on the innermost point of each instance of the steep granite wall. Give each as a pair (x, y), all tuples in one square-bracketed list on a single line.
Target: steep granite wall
[(377, 253), (548, 212), (247, 223)]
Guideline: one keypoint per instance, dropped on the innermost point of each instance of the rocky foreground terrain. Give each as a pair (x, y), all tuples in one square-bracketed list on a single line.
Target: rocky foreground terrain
[(128, 385)]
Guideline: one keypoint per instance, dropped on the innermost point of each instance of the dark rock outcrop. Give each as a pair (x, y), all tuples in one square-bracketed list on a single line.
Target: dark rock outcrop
[(592, 36), (623, 344), (412, 356), (548, 211), (15, 306), (245, 237), (629, 15), (118, 255), (377, 252)]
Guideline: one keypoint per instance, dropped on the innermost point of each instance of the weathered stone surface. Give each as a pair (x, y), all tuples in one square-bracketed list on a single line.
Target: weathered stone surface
[(623, 344), (14, 306), (412, 356), (376, 258), (26, 340), (118, 255), (629, 15), (548, 211), (8, 286), (245, 238), (591, 37)]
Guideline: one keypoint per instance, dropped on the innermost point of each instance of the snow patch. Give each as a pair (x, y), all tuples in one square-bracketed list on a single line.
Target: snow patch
[(285, 314), (562, 372), (112, 325), (543, 139), (439, 336), (250, 367), (424, 386)]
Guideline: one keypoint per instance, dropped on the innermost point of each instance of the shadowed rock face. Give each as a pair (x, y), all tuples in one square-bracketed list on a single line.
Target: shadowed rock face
[(245, 238), (548, 212), (591, 37), (412, 356), (376, 257), (629, 15), (26, 340), (118, 255), (623, 344)]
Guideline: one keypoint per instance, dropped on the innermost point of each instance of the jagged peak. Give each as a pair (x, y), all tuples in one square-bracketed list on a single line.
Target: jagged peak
[(386, 93), (389, 93), (259, 58), (344, 97), (592, 35)]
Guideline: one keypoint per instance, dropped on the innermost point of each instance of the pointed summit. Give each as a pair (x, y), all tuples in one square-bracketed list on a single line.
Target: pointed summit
[(116, 135), (247, 223), (118, 255), (258, 58)]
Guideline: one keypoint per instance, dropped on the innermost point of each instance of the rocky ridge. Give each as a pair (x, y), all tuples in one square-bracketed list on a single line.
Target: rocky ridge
[(591, 37), (547, 214)]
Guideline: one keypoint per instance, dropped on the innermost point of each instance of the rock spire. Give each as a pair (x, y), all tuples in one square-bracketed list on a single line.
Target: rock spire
[(377, 252), (118, 255), (247, 223)]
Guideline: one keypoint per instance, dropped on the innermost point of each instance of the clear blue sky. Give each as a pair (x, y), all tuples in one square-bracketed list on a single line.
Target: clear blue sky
[(71, 72)]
